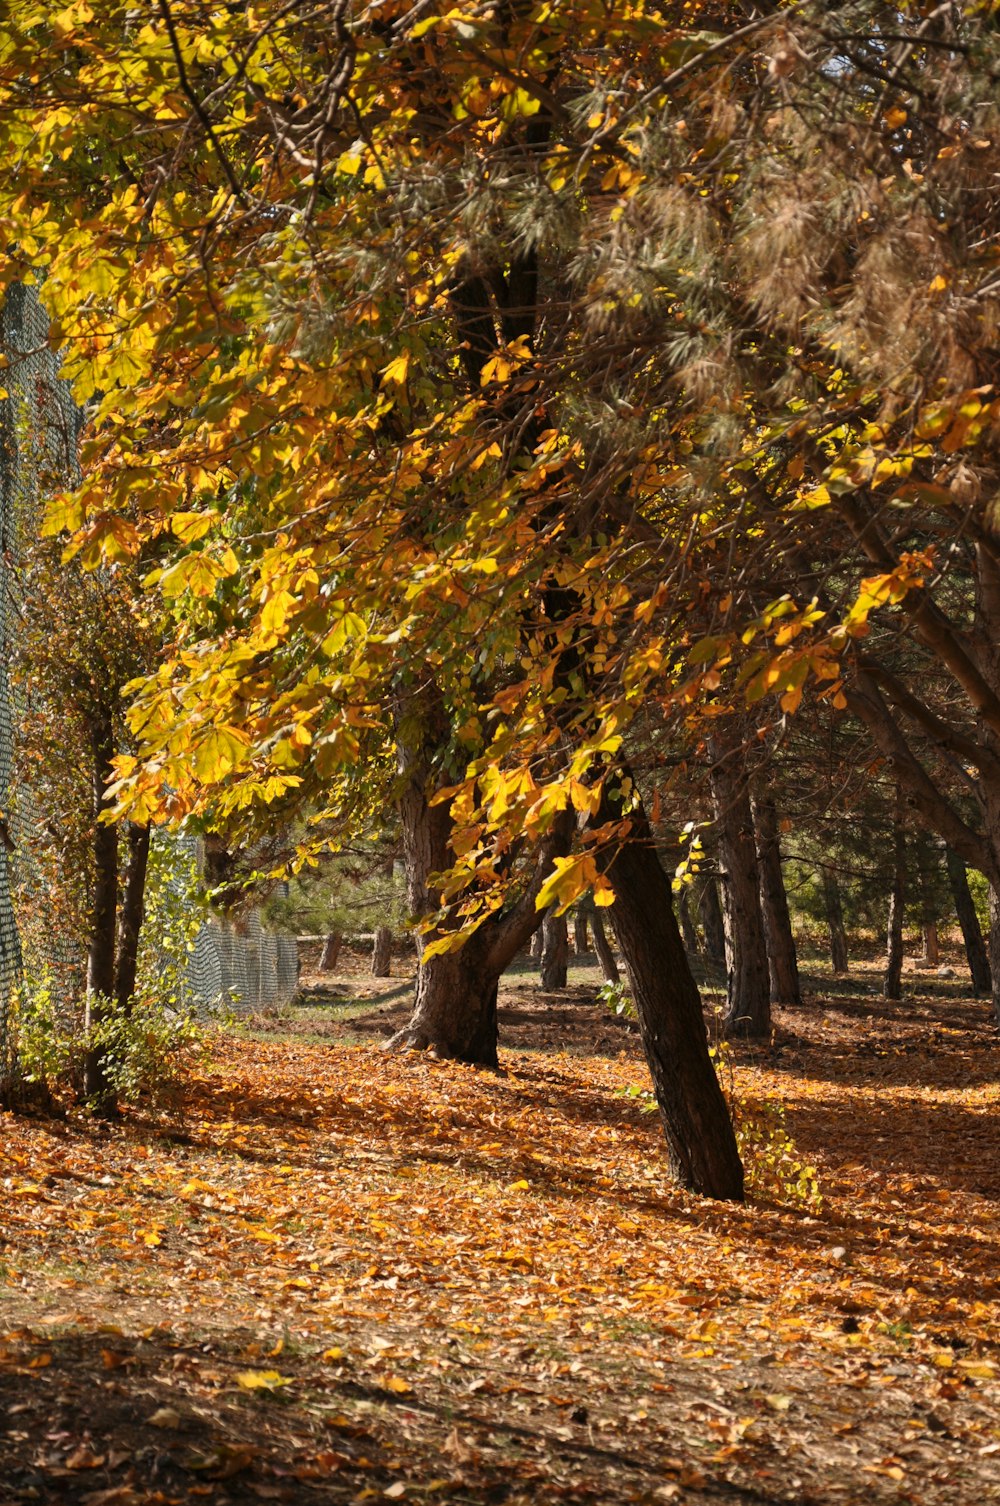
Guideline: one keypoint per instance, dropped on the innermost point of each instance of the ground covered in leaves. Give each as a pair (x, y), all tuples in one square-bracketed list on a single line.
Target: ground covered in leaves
[(325, 1273)]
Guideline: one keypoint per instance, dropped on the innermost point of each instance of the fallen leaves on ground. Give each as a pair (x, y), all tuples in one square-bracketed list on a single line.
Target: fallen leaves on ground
[(332, 1273)]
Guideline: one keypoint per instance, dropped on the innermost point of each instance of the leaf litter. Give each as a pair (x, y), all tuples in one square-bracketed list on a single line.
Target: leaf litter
[(329, 1273)]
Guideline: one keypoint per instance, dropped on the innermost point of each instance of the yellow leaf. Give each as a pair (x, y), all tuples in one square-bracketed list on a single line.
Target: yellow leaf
[(396, 370), (394, 1383), (348, 162), (938, 284), (521, 1186), (263, 1380)]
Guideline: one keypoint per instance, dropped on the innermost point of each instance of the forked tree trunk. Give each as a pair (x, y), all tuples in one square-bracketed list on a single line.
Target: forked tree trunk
[(892, 986), (382, 953), (580, 923), (701, 1145), (688, 931), (104, 916), (330, 952), (555, 951), (748, 992), (712, 923), (972, 931), (835, 922), (602, 947), (782, 962), (132, 912)]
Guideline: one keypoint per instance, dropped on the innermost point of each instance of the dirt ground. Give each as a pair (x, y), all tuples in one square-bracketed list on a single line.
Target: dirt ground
[(324, 1272)]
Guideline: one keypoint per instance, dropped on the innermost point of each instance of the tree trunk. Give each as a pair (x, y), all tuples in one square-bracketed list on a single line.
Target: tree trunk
[(104, 915), (995, 952), (382, 953), (605, 956), (701, 1145), (330, 952), (712, 923), (132, 913), (932, 951), (892, 985), (782, 962), (972, 932), (688, 931), (555, 951), (835, 921), (537, 946), (748, 1000), (580, 923)]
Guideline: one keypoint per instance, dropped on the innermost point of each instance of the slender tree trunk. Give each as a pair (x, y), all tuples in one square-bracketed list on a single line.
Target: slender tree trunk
[(330, 952), (701, 1145), (133, 910), (893, 982), (932, 951), (555, 951), (835, 921), (782, 962), (712, 923), (537, 946), (104, 915), (995, 952), (382, 953), (602, 947), (688, 931), (580, 924), (972, 932), (748, 1002)]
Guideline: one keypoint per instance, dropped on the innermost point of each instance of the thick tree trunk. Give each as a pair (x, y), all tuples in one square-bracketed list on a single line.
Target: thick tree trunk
[(701, 1145), (580, 924), (835, 922), (712, 923), (782, 962), (104, 915), (555, 951), (133, 910), (748, 1001), (455, 1009), (382, 953), (892, 985), (602, 947), (932, 950), (330, 952), (972, 931), (688, 931)]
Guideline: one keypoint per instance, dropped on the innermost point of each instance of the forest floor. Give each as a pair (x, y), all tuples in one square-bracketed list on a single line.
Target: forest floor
[(323, 1273)]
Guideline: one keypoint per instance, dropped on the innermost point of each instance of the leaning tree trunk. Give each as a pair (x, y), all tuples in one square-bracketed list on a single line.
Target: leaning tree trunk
[(972, 931), (132, 913), (555, 951), (748, 993), (835, 922), (602, 947), (782, 962), (893, 982), (712, 923), (330, 952), (382, 953), (104, 915), (701, 1145)]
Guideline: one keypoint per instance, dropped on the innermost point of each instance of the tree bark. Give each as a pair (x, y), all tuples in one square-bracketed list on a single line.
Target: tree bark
[(537, 946), (133, 910), (748, 994), (932, 950), (782, 962), (972, 931), (555, 951), (713, 925), (701, 1145), (892, 985), (835, 922), (330, 952), (688, 931), (995, 952), (580, 924), (605, 956), (382, 953), (104, 915)]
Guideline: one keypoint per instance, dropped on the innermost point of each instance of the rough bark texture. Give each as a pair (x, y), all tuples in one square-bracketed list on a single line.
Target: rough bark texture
[(995, 952), (537, 945), (330, 952), (835, 922), (602, 947), (133, 909), (688, 931), (701, 1145), (972, 931), (382, 953), (101, 944), (580, 924), (555, 951), (892, 985), (748, 991), (712, 923), (782, 961), (932, 949)]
